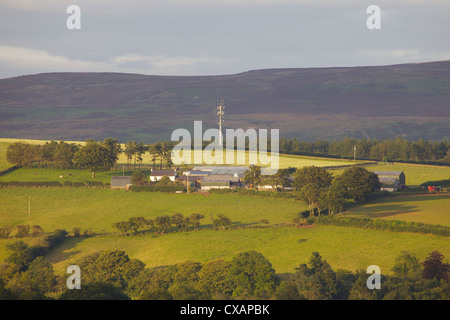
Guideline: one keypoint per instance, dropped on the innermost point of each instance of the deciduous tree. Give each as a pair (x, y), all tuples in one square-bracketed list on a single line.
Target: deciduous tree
[(316, 281), (252, 275), (312, 182), (253, 177), (359, 183), (94, 157)]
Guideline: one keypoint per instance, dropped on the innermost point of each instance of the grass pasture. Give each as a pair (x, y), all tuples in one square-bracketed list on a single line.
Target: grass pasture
[(53, 208), (423, 208), (35, 174), (286, 247)]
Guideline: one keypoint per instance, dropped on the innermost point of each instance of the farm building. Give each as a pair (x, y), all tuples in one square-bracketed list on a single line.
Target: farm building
[(389, 184), (230, 170), (120, 182), (396, 174), (220, 181), (156, 175), (193, 181), (197, 173)]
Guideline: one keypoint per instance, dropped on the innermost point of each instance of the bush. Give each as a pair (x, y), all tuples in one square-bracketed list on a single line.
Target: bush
[(5, 232), (378, 224), (22, 231), (91, 183), (35, 184), (74, 184), (138, 178)]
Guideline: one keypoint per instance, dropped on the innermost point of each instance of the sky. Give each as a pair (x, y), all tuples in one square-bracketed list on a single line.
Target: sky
[(216, 37)]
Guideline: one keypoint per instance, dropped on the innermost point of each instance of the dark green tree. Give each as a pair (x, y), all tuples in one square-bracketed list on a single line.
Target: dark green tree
[(187, 272), (111, 266), (22, 231), (161, 151), (213, 279), (124, 227), (177, 219), (334, 197), (316, 281), (5, 231), (184, 291), (21, 255), (5, 293), (113, 149), (221, 221), (94, 157), (312, 182), (406, 265), (434, 267), (253, 177), (344, 283), (129, 151), (137, 223), (252, 275), (195, 219), (359, 290), (40, 276), (95, 291), (359, 183), (63, 154), (164, 223), (23, 154)]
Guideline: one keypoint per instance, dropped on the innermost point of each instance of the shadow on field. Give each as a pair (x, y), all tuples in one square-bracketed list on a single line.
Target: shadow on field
[(64, 251), (388, 210), (381, 210), (415, 197), (397, 204)]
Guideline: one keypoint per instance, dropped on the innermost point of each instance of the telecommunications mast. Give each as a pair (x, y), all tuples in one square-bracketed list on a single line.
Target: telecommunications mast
[(220, 114)]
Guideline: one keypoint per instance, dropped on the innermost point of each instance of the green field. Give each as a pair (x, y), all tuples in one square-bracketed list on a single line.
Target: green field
[(53, 208), (285, 247), (424, 208), (34, 174)]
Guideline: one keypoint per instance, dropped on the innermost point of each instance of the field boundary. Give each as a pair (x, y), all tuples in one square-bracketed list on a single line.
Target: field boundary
[(9, 170)]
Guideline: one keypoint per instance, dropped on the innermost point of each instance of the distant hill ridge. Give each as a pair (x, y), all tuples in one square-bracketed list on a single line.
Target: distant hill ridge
[(411, 100)]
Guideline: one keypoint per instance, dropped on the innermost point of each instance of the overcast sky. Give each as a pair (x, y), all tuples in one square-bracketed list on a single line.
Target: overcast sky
[(211, 37)]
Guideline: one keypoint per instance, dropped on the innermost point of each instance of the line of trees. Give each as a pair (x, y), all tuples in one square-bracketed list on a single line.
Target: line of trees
[(51, 154), (94, 155), (159, 225), (398, 149), (165, 224), (102, 155), (112, 275), (22, 231)]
